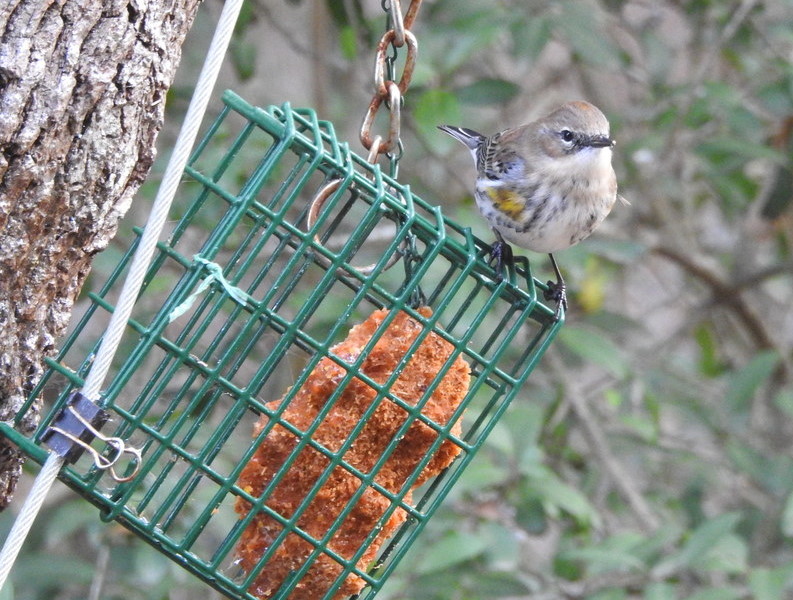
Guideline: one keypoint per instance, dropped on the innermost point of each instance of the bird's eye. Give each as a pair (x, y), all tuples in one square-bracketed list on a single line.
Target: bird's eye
[(567, 135)]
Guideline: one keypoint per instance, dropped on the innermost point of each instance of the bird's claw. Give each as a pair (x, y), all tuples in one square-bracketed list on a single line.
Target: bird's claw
[(557, 292), (500, 257)]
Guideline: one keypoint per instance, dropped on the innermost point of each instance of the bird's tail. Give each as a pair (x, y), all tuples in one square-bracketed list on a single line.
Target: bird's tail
[(469, 137)]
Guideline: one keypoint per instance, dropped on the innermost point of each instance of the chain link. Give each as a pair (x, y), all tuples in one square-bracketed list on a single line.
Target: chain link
[(394, 104), (389, 91)]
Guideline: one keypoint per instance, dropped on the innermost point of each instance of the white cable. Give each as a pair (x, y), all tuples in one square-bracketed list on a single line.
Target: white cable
[(19, 531), (137, 271)]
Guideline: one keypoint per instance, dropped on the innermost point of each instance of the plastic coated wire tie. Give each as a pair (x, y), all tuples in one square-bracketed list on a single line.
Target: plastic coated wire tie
[(215, 274)]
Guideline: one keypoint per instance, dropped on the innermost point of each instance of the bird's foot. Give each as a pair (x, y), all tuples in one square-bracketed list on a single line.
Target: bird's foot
[(500, 257), (557, 292)]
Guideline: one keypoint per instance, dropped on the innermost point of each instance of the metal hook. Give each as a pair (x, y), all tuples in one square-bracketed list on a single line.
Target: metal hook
[(313, 213), (102, 462)]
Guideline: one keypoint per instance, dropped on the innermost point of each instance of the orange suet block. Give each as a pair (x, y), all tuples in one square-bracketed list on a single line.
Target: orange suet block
[(366, 449)]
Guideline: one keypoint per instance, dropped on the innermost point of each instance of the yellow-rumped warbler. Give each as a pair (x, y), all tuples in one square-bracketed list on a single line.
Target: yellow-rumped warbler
[(546, 185)]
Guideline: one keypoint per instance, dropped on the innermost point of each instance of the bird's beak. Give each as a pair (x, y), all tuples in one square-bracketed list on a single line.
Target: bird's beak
[(601, 141)]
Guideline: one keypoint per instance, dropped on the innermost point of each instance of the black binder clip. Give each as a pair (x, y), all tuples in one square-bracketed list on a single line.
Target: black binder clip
[(76, 426)]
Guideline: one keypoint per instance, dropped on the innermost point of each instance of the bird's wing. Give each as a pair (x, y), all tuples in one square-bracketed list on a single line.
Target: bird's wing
[(497, 158)]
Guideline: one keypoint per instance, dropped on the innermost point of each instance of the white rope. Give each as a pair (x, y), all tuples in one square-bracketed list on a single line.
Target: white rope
[(19, 531), (140, 263)]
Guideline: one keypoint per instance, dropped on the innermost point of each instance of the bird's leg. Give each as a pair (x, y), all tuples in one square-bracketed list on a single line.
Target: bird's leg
[(500, 255), (557, 291)]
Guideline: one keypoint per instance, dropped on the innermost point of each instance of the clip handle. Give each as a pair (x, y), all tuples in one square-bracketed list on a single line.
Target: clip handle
[(77, 426)]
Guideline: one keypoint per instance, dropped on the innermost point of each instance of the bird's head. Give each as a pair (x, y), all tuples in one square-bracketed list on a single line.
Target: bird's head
[(574, 138), (573, 128)]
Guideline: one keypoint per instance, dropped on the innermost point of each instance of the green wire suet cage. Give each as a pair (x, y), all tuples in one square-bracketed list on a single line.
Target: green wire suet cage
[(242, 302)]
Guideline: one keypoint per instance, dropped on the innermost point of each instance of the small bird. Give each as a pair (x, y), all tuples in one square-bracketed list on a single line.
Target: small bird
[(544, 186)]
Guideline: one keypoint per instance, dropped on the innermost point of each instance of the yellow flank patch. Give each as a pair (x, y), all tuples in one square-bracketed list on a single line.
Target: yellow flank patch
[(506, 201)]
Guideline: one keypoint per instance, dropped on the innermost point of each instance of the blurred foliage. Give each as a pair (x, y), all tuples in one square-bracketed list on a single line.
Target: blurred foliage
[(650, 457)]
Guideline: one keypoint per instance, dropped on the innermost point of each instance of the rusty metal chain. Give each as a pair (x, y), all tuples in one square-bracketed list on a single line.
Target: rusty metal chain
[(388, 91)]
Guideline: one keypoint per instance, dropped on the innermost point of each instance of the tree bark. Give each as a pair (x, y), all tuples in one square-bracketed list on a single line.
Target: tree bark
[(82, 93)]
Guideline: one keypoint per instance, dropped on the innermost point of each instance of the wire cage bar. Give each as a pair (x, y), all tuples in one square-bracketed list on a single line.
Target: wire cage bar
[(238, 340)]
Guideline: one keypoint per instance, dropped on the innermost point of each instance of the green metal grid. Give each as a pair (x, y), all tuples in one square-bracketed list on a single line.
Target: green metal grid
[(188, 392)]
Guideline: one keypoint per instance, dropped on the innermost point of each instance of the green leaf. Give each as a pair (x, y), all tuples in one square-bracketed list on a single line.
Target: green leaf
[(703, 539), (488, 91), (651, 548), (243, 57), (48, 571), (716, 593), (455, 548), (732, 152), (246, 18), (595, 348), (480, 474), (613, 398), (580, 24), (437, 107), (557, 497), (345, 14), (503, 545), (784, 401), (530, 515), (728, 555), (709, 363), (619, 251), (646, 429), (427, 587), (530, 36), (601, 560), (472, 34), (500, 439), (501, 584), (7, 592), (348, 42), (776, 96), (706, 535), (619, 552), (786, 522), (745, 382), (658, 56), (660, 591), (771, 473), (770, 584), (67, 520), (608, 594), (530, 460), (525, 423)]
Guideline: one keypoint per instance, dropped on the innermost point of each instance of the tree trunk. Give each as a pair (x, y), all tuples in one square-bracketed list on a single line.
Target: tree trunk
[(82, 92)]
